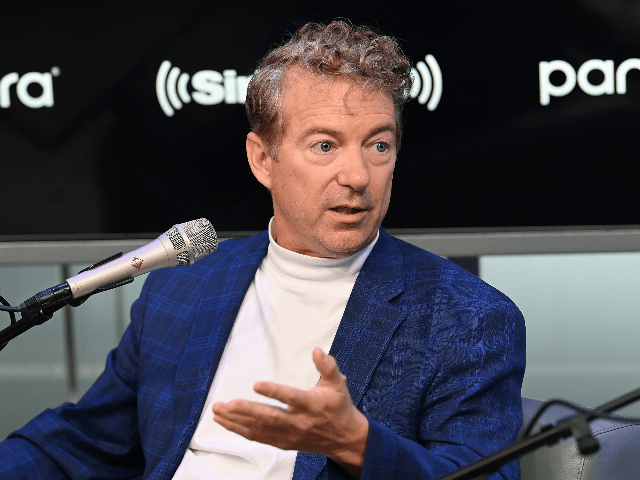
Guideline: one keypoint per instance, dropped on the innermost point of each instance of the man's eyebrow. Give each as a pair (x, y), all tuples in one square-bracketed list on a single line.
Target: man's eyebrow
[(388, 127), (322, 130)]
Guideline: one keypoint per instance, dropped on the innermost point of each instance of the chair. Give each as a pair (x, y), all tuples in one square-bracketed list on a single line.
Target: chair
[(618, 458)]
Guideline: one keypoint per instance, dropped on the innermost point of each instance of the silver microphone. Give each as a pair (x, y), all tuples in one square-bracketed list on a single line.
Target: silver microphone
[(182, 244)]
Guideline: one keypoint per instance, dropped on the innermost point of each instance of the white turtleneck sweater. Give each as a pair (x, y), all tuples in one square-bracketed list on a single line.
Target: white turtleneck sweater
[(294, 304)]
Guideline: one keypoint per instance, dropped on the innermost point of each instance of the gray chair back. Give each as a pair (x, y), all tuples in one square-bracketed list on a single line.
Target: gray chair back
[(618, 458)]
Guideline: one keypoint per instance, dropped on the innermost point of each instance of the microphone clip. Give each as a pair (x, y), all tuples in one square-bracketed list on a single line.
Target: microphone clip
[(586, 442)]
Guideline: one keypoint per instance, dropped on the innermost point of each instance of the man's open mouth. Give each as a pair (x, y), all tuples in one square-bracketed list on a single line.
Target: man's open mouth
[(347, 210)]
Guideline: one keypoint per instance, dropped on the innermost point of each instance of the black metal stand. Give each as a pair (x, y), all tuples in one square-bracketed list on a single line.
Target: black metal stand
[(41, 307), (576, 426), (37, 310)]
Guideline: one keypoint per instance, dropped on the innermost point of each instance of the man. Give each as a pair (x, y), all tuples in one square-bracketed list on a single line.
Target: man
[(217, 375)]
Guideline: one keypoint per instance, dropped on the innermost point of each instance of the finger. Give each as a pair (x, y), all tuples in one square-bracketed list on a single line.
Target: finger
[(247, 413), (233, 407), (256, 432), (242, 408), (240, 428), (327, 366), (293, 397)]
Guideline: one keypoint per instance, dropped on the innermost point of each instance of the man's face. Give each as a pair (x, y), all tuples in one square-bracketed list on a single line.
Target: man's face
[(331, 183)]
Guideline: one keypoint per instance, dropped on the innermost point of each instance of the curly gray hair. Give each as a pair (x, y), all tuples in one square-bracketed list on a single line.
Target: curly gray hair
[(339, 49)]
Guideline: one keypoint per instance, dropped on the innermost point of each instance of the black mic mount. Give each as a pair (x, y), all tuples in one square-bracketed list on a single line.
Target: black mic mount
[(38, 309)]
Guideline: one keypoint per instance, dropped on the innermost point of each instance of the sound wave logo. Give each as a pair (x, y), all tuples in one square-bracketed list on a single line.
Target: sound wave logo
[(176, 92), (427, 82), (209, 87)]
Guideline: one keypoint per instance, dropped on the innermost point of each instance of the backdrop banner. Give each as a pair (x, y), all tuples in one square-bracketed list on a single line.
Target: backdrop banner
[(126, 117)]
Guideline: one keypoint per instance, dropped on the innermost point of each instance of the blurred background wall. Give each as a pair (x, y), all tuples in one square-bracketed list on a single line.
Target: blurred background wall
[(120, 119)]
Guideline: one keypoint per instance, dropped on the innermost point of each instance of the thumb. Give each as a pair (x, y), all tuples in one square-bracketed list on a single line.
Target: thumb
[(327, 366)]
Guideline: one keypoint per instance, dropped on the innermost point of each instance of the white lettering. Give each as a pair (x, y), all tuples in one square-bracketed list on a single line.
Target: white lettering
[(45, 99), (6, 82), (615, 81), (230, 94), (208, 86), (242, 84), (607, 86), (548, 89), (621, 74)]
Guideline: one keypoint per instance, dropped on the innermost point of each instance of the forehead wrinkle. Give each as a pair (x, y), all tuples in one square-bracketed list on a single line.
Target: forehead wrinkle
[(316, 82), (363, 108), (354, 100)]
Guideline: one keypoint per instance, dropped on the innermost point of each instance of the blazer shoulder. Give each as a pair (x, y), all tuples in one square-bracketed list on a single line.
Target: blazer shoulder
[(426, 269), (236, 251), (460, 306)]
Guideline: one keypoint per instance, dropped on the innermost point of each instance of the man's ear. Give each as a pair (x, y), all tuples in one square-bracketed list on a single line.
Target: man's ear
[(259, 159)]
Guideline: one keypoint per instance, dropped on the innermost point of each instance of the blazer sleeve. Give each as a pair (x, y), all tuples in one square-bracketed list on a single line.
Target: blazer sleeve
[(96, 438), (472, 407)]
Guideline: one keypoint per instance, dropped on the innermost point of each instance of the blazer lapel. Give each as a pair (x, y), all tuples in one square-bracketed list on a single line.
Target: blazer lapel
[(368, 323), (221, 300)]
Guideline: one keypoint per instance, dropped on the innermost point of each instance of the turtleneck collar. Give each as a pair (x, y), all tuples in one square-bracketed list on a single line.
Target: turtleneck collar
[(295, 267)]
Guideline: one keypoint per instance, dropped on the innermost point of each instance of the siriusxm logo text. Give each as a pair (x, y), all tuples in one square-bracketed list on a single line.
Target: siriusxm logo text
[(44, 80), (611, 76), (209, 87)]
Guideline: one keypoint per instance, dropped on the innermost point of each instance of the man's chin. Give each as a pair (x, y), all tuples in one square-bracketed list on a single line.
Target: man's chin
[(342, 244)]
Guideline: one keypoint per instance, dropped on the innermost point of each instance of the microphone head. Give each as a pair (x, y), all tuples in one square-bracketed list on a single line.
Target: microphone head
[(198, 238), (182, 244)]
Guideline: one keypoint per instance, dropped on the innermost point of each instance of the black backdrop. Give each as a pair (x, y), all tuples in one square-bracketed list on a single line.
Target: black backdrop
[(105, 158)]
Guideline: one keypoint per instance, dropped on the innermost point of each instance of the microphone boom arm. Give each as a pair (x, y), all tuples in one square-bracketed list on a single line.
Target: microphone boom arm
[(41, 307), (181, 245)]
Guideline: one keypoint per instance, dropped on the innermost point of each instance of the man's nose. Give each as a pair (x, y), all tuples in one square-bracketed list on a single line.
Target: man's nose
[(354, 170)]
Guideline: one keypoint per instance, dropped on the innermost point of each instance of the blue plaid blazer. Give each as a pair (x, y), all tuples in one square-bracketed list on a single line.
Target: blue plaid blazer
[(434, 358)]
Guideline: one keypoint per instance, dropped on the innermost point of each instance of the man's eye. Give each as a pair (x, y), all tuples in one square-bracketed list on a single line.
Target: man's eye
[(323, 146), (382, 147)]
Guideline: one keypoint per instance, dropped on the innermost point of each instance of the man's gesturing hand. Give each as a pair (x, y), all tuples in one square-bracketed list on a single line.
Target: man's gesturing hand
[(321, 420)]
